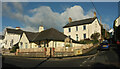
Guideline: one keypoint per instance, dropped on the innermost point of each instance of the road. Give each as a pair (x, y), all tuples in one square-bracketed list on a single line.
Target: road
[(105, 59)]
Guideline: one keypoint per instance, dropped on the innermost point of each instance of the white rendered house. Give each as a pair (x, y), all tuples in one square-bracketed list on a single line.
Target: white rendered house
[(11, 37), (82, 29)]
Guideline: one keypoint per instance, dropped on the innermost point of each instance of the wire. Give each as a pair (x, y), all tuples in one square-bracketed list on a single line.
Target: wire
[(95, 8)]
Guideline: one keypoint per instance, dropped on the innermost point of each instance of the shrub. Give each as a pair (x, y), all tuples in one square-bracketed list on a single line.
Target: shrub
[(67, 45), (95, 41), (86, 41), (95, 36), (14, 49)]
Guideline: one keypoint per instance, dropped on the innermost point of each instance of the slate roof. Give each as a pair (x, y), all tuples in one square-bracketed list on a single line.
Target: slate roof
[(80, 22), (31, 35), (51, 34), (14, 31)]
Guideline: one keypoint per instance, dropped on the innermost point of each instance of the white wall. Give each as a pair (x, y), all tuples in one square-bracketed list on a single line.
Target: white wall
[(24, 40), (94, 27), (117, 22), (90, 29), (1, 43), (9, 37), (56, 44)]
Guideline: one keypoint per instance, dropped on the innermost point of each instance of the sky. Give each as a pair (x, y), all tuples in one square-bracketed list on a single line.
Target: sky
[(30, 15)]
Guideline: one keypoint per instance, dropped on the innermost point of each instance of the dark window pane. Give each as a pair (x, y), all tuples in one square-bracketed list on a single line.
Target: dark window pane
[(69, 29)]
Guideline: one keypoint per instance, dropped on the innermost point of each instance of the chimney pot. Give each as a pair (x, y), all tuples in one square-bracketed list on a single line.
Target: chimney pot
[(70, 19), (94, 14), (41, 28), (17, 27)]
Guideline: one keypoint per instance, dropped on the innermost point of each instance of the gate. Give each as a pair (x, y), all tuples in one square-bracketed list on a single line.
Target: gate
[(49, 52)]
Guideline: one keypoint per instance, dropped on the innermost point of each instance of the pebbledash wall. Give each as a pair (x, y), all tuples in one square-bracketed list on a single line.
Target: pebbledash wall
[(90, 29)]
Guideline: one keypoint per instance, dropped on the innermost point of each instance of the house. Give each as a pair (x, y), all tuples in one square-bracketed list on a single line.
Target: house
[(44, 38), (1, 41), (117, 29), (111, 31), (11, 37), (82, 29)]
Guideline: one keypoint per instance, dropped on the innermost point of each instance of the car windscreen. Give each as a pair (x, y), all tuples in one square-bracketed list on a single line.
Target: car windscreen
[(104, 42)]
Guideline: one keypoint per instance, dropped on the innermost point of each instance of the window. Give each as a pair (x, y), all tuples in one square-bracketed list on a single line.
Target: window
[(84, 36), (69, 36), (76, 28), (26, 46), (69, 29), (11, 44), (84, 27), (95, 25), (6, 42), (77, 37)]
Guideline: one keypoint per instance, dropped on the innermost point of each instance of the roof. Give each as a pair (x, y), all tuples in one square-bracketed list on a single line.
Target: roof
[(80, 22), (31, 35), (14, 31), (51, 34)]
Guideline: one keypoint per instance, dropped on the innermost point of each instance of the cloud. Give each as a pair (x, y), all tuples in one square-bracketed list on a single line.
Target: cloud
[(44, 15), (18, 6), (17, 14)]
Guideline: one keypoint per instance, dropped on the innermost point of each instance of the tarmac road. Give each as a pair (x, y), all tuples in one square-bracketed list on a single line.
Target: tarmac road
[(104, 59)]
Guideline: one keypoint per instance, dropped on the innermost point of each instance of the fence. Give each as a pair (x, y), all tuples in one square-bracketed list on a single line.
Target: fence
[(53, 52)]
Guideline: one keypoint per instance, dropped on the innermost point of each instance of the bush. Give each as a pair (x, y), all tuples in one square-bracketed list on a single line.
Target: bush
[(95, 36), (86, 41), (95, 41), (14, 49), (67, 45), (83, 42)]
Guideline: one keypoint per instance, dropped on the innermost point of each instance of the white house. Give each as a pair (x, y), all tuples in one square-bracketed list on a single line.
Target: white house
[(82, 29), (11, 37), (117, 22), (117, 28), (44, 38), (1, 41)]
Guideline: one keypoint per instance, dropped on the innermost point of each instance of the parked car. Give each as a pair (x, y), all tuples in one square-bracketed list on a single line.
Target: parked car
[(104, 45), (118, 42)]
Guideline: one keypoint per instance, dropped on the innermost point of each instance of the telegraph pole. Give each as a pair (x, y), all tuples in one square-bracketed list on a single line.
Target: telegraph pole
[(101, 26), (105, 31)]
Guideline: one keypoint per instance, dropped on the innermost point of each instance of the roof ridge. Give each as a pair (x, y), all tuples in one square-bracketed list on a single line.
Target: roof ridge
[(86, 19), (80, 22)]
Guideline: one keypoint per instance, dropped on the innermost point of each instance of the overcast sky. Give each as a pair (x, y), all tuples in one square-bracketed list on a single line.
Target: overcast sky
[(30, 15)]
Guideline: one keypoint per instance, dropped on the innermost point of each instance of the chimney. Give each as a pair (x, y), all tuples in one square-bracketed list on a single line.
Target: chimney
[(70, 19), (17, 28), (94, 14), (41, 28)]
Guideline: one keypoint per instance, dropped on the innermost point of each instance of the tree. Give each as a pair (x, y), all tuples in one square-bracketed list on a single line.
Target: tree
[(95, 36)]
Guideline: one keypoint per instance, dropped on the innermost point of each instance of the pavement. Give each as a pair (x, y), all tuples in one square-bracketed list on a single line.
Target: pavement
[(102, 59)]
